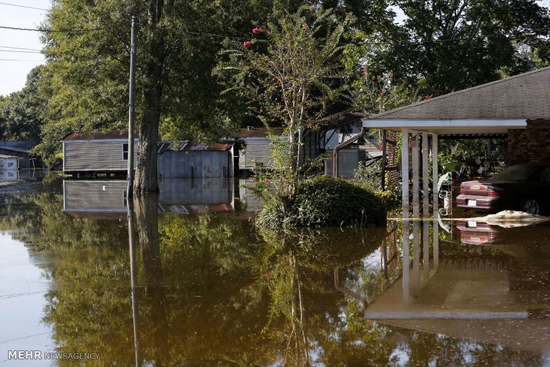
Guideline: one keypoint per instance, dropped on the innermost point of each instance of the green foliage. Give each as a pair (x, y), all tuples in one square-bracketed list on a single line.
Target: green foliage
[(369, 177), (326, 201), (286, 74), (23, 113), (451, 45)]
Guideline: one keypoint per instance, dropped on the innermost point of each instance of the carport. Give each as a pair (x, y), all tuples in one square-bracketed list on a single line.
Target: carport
[(507, 106), (518, 106)]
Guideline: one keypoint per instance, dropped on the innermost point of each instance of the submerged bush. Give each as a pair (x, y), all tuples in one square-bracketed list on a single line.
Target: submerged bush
[(326, 202)]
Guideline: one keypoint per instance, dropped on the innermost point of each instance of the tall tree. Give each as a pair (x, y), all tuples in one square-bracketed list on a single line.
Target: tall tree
[(452, 45), (22, 114), (178, 42)]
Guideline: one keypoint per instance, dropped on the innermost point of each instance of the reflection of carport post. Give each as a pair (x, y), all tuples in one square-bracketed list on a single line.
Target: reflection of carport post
[(405, 204), (435, 189)]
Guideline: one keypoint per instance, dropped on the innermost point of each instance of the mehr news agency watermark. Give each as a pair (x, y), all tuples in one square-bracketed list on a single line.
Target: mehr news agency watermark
[(25, 355)]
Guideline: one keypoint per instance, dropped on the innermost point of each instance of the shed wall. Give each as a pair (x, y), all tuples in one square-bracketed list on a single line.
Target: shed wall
[(195, 164), (94, 195), (95, 155), (256, 152)]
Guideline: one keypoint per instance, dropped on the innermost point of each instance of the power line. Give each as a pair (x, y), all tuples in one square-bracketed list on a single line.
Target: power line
[(23, 6), (20, 48), (21, 60), (21, 52), (51, 30)]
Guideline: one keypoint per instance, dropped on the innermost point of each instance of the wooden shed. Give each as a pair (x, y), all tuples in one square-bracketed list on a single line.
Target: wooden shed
[(97, 152)]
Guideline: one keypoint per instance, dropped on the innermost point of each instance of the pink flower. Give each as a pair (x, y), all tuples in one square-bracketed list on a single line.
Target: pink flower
[(263, 27), (365, 68), (255, 31), (247, 44), (270, 32), (304, 25), (381, 94), (266, 181)]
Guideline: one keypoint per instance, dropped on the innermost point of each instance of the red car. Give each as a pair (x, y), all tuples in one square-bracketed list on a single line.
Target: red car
[(525, 187)]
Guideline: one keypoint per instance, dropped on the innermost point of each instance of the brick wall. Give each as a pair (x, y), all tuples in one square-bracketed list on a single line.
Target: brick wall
[(529, 145), (391, 157)]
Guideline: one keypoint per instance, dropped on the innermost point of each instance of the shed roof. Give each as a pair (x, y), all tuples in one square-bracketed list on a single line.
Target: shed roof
[(98, 135), (257, 132), (18, 146), (525, 96)]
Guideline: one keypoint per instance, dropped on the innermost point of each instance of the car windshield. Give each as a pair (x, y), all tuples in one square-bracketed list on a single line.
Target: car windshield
[(516, 173)]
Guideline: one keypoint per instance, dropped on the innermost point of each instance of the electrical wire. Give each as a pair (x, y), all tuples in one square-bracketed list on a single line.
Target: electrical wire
[(21, 60), (22, 52), (20, 48), (23, 6), (51, 30)]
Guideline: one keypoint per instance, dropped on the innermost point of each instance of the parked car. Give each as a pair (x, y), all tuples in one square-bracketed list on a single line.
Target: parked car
[(524, 187)]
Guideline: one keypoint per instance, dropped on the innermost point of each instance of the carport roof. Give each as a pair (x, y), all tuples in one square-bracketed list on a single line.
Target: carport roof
[(525, 96)]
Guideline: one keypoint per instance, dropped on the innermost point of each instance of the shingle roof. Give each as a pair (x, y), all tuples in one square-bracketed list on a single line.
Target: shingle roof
[(17, 146), (524, 96)]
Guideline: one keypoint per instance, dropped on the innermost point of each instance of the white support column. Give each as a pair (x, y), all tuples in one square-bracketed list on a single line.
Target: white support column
[(405, 171), (416, 177), (416, 214), (435, 190), (405, 203), (425, 207)]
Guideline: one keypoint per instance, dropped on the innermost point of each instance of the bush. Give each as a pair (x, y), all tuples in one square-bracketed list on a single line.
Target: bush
[(324, 202)]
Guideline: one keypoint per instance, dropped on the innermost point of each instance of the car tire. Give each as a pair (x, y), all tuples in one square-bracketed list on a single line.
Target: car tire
[(530, 205)]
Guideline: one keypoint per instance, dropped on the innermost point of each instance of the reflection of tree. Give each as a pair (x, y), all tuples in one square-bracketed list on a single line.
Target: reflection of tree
[(212, 292)]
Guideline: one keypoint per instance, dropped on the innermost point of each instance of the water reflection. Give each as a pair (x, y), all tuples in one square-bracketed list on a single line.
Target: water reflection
[(211, 289)]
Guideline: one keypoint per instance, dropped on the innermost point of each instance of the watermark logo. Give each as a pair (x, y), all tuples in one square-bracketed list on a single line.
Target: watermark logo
[(24, 355)]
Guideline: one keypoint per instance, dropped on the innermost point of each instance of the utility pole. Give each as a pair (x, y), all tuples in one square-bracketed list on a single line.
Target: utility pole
[(129, 190)]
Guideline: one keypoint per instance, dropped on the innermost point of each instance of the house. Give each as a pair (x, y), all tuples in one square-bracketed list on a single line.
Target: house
[(9, 168), (21, 149), (8, 162), (517, 108), (107, 153), (332, 131)]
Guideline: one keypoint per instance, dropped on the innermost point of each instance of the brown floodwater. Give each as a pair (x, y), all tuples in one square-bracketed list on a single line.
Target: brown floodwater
[(190, 281)]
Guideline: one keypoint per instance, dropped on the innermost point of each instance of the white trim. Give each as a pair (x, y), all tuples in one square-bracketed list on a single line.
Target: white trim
[(443, 124)]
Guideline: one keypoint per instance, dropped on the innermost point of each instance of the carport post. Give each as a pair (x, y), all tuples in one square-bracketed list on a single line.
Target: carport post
[(416, 212), (425, 206), (435, 190), (405, 171), (405, 203)]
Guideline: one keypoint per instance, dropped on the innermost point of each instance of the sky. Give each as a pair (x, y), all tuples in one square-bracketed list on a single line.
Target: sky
[(14, 66), (13, 74)]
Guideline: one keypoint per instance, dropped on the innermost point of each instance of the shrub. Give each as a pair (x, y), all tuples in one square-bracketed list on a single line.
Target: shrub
[(327, 201)]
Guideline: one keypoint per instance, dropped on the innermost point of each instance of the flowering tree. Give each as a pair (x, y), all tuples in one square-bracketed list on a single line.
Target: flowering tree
[(289, 73)]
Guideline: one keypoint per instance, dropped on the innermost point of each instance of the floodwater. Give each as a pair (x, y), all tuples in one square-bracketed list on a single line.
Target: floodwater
[(190, 281)]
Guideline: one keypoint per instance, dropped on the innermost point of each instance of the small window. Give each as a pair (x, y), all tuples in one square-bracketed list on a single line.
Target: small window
[(124, 152)]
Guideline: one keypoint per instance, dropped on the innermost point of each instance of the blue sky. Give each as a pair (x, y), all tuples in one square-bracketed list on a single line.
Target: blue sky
[(14, 66)]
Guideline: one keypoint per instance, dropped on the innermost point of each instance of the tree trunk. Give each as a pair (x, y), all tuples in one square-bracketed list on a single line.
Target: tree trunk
[(146, 170)]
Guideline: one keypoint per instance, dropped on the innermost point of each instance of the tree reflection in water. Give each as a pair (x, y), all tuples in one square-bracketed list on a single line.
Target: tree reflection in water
[(213, 290)]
